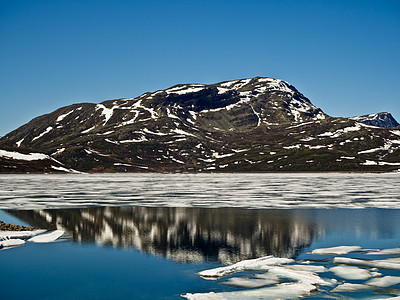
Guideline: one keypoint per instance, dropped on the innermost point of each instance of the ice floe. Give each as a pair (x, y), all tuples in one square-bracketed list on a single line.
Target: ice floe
[(353, 273), (339, 250), (261, 263), (249, 282), (385, 251), (8, 242), (24, 234), (384, 281), (17, 238), (305, 283), (381, 264), (47, 237), (351, 287), (289, 279)]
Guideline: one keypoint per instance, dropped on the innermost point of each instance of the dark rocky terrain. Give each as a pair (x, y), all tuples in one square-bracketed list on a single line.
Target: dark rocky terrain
[(249, 125), (13, 227)]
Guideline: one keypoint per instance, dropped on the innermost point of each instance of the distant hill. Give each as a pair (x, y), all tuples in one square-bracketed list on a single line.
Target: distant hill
[(249, 125)]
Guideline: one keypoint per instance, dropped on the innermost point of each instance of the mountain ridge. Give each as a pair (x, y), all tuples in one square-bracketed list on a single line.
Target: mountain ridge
[(252, 124)]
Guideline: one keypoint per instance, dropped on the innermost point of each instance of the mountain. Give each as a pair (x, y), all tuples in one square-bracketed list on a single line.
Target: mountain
[(383, 119), (248, 125)]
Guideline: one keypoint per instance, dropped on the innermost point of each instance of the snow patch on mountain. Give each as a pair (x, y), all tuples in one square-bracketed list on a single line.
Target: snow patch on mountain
[(48, 129), (20, 156)]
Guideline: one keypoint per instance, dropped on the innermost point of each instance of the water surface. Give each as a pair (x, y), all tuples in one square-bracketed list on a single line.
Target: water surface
[(146, 236)]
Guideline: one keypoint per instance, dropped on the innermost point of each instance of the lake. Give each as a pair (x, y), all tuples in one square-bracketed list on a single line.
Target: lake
[(147, 236)]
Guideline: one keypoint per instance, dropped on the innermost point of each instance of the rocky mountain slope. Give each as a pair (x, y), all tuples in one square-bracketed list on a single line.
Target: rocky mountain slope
[(25, 161), (256, 124)]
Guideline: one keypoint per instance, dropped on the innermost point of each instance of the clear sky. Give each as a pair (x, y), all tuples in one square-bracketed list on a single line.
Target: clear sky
[(342, 55)]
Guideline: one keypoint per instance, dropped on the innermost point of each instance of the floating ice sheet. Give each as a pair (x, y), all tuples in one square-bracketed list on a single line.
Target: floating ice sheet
[(20, 234), (6, 242), (306, 282), (351, 287), (47, 237), (393, 251), (353, 273), (339, 250), (384, 281), (251, 264), (380, 264), (249, 282)]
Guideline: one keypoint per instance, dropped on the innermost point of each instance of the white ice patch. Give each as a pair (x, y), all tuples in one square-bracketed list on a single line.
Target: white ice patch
[(62, 117), (396, 132), (251, 264), (257, 114), (393, 251), (222, 90), (351, 287), (24, 234), (217, 155), (305, 283), (228, 83), (185, 90), (47, 237), (339, 132), (106, 112), (339, 250), (121, 164), (292, 147), (153, 113), (352, 273), (154, 133), (48, 129), (59, 151), (19, 142), (248, 282), (369, 163), (171, 115), (301, 124), (381, 264), (62, 169), (384, 281), (369, 150), (7, 242), (20, 156), (308, 268), (180, 131), (88, 130), (141, 139)]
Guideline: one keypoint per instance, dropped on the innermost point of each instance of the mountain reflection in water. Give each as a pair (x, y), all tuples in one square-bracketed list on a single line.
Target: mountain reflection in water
[(226, 235)]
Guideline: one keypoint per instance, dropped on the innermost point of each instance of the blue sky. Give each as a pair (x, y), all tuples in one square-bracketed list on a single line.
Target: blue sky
[(342, 55)]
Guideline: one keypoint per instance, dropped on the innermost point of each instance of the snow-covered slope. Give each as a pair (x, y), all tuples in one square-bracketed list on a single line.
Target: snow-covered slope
[(13, 161), (383, 119)]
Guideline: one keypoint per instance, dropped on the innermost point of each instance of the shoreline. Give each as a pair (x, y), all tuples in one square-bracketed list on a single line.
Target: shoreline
[(13, 227)]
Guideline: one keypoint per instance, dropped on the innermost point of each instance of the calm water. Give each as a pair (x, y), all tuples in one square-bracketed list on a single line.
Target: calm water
[(135, 247)]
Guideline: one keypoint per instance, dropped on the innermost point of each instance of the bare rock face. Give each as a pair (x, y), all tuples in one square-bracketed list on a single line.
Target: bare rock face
[(248, 125)]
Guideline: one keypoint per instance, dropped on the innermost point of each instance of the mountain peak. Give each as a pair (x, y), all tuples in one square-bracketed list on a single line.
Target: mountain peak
[(382, 119)]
